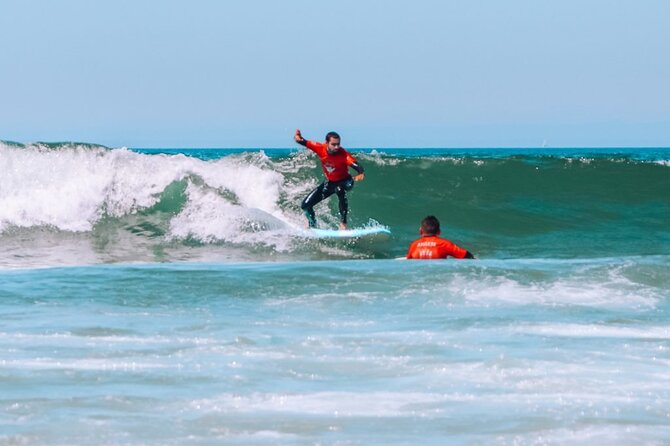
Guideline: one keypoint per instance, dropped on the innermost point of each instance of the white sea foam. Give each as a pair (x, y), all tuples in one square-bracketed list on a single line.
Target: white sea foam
[(73, 339), (611, 434), (380, 158), (73, 187), (82, 364), (329, 403), (209, 217), (597, 331), (616, 291)]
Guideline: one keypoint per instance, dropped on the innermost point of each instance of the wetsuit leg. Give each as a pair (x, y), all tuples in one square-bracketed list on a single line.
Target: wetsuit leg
[(342, 188), (322, 191), (344, 204)]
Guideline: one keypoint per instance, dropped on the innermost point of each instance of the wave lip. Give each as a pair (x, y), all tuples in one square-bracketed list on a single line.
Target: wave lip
[(73, 188)]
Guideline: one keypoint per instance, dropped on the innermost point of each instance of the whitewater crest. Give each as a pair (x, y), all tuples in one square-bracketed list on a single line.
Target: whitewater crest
[(74, 187)]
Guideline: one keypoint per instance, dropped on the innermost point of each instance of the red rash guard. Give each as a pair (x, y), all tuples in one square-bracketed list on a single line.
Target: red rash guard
[(335, 166), (434, 247)]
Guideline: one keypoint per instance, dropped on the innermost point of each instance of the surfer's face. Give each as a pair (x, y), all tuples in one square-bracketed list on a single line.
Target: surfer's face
[(333, 145)]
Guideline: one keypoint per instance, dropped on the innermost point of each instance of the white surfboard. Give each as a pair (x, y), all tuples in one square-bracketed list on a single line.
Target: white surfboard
[(378, 233)]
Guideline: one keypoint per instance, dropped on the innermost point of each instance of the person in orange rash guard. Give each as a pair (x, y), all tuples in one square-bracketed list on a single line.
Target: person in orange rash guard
[(335, 162), (430, 246)]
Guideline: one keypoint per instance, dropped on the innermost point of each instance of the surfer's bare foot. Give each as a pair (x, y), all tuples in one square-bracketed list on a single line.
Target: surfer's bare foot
[(343, 227)]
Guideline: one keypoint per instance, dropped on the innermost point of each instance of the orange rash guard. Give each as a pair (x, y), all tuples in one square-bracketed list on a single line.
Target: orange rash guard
[(434, 247), (335, 166)]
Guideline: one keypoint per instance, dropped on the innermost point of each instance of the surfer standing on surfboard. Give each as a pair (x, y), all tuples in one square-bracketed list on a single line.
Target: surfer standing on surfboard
[(335, 162)]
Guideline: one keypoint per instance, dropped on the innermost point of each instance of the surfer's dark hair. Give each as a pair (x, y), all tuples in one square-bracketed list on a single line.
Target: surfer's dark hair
[(332, 135), (430, 225)]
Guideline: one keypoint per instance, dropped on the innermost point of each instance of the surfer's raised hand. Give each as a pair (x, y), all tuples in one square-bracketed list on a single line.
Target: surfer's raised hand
[(359, 177), (298, 136)]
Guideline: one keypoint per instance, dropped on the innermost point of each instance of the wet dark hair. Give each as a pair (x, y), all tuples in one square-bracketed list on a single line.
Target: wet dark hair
[(430, 225), (332, 135)]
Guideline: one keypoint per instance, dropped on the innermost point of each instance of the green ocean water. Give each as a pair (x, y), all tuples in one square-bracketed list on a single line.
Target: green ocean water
[(170, 297), (106, 205)]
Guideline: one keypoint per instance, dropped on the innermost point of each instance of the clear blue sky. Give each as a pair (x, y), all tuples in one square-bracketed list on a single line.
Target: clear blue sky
[(206, 73)]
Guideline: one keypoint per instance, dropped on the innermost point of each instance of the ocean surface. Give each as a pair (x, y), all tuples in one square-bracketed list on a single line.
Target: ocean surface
[(171, 297)]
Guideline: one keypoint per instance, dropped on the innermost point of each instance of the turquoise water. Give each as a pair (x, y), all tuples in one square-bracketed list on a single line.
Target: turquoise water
[(165, 297)]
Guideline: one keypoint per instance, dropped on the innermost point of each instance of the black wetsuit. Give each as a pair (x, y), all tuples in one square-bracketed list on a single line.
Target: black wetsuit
[(328, 188), (325, 190)]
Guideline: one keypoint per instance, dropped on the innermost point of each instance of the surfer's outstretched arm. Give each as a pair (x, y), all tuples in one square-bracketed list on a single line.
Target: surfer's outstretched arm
[(299, 139)]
